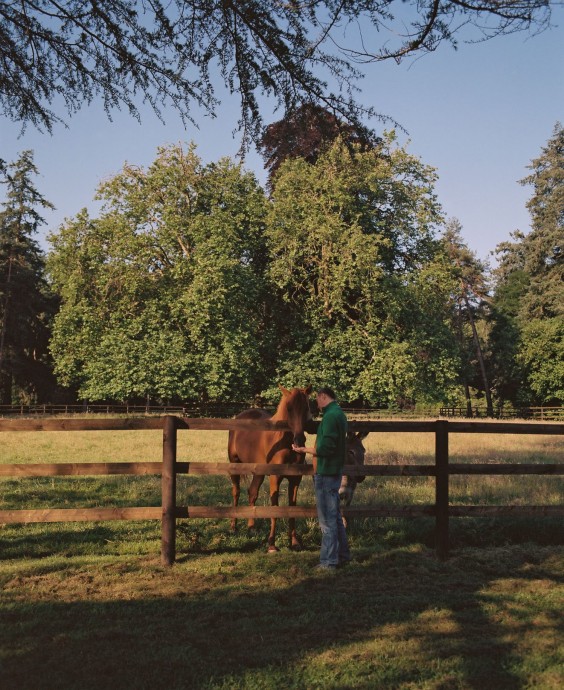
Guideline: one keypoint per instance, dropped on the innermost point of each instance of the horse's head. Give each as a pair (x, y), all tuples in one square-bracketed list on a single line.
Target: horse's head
[(355, 456), (294, 407)]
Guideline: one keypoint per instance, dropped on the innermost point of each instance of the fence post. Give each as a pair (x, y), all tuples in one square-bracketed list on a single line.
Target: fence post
[(168, 490), (441, 489)]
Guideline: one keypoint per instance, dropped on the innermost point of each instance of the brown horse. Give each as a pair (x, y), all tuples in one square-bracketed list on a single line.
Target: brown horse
[(272, 447)]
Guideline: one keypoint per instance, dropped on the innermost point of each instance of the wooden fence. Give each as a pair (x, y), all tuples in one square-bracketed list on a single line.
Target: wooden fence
[(169, 468)]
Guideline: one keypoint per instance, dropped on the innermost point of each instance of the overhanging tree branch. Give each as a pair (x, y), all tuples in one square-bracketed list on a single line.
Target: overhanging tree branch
[(165, 52)]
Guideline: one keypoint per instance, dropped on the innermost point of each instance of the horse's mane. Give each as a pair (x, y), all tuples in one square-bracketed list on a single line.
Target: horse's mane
[(287, 402)]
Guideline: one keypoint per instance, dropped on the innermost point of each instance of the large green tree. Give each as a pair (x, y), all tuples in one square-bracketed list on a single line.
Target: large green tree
[(164, 294), (60, 54), (354, 253), (25, 301)]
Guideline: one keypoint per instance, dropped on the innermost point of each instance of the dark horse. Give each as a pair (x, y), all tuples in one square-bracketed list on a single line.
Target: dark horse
[(355, 457), (272, 447)]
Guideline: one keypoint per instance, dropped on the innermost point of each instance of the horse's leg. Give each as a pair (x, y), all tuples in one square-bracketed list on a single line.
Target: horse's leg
[(254, 487), (236, 492), (274, 493), (352, 483), (293, 484)]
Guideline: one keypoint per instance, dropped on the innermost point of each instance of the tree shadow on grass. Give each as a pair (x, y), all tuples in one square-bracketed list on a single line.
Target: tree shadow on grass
[(79, 539), (396, 620)]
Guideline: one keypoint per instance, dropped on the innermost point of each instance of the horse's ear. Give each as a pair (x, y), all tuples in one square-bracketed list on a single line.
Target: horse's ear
[(308, 390), (362, 435), (285, 391)]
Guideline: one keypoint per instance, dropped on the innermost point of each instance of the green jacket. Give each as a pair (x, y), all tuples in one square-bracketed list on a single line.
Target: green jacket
[(331, 440)]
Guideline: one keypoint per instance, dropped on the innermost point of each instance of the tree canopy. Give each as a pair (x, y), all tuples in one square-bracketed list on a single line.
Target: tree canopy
[(306, 133), (192, 284), (55, 56), (471, 298)]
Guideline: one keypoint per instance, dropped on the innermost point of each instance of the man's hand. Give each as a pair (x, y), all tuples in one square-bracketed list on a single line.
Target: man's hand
[(303, 449)]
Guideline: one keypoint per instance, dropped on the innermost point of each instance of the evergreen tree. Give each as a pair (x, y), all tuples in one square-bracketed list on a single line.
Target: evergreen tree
[(25, 303), (544, 245), (505, 336), (531, 270)]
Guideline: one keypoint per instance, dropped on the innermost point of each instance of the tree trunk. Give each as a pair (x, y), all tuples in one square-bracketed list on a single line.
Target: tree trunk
[(5, 378), (480, 356), (468, 399)]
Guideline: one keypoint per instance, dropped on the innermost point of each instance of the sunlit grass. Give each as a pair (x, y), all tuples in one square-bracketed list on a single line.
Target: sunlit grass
[(210, 446), (108, 446), (419, 448)]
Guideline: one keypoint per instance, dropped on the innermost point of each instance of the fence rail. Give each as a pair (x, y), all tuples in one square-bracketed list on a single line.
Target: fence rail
[(214, 424), (169, 468)]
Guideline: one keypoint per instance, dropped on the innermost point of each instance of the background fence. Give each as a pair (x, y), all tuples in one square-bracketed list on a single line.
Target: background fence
[(169, 511), (477, 412), (221, 410)]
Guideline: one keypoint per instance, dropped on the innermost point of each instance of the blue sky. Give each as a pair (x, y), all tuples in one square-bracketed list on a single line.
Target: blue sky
[(479, 115)]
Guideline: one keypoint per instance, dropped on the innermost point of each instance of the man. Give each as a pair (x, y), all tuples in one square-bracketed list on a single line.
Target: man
[(328, 461)]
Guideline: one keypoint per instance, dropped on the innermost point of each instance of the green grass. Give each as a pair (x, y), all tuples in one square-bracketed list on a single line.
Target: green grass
[(88, 605)]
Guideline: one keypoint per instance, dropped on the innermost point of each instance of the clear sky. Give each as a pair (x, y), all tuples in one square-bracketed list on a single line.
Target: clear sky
[(479, 115)]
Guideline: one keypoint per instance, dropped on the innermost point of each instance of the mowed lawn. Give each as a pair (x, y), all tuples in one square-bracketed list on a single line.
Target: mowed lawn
[(88, 605)]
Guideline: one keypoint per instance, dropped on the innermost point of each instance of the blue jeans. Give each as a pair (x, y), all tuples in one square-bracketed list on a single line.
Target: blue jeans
[(334, 544)]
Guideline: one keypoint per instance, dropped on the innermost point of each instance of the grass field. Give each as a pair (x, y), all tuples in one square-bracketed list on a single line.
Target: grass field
[(88, 605)]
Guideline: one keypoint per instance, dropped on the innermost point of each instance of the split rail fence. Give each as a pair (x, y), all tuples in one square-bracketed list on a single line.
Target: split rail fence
[(169, 468)]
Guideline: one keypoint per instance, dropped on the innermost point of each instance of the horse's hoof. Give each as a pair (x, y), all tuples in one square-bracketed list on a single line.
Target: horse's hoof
[(296, 547), (272, 549)]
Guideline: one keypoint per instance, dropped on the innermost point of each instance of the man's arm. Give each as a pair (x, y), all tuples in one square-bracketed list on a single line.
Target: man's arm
[(310, 451)]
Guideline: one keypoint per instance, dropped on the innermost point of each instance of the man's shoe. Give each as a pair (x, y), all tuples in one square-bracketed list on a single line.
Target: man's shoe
[(325, 568)]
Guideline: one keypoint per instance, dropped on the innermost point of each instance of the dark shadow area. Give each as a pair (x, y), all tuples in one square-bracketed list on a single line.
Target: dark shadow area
[(221, 632), (79, 492), (491, 532), (75, 539)]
